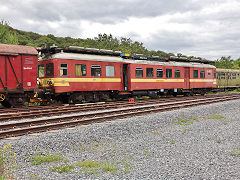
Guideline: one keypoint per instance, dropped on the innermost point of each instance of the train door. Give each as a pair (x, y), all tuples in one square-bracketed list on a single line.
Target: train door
[(186, 78), (125, 77)]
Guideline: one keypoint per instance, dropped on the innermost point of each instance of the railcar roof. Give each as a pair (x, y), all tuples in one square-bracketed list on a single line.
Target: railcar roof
[(228, 70), (76, 56), (7, 49)]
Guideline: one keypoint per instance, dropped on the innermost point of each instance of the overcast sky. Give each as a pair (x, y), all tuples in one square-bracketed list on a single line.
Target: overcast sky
[(205, 28)]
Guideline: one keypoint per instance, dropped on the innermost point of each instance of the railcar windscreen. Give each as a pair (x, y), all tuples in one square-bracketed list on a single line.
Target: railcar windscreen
[(49, 69), (41, 70)]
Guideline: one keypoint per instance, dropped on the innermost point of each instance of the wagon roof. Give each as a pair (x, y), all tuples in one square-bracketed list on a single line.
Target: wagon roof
[(7, 49), (75, 56)]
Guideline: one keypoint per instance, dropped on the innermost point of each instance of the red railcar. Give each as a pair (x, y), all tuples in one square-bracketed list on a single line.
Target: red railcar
[(78, 77), (18, 73)]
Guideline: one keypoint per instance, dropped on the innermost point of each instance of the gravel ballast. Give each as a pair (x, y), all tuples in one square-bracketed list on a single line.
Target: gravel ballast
[(201, 142)]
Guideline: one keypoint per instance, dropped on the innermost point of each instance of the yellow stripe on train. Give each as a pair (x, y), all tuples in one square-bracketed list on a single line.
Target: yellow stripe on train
[(157, 80), (65, 81)]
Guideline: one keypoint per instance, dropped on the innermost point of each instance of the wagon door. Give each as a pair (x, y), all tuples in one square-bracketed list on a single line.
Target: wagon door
[(186, 78)]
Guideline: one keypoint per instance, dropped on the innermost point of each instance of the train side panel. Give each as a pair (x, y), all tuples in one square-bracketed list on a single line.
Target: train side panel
[(94, 76)]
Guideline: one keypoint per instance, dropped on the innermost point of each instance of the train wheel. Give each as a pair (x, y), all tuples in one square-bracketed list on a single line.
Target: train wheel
[(2, 97), (17, 101)]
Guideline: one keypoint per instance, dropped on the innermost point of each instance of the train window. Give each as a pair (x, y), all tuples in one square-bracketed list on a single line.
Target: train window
[(195, 73), (63, 69), (222, 75), (49, 69), (139, 72), (177, 73), (110, 71), (80, 70), (149, 72), (41, 70), (159, 73), (96, 70), (168, 73), (202, 74), (214, 74), (233, 75)]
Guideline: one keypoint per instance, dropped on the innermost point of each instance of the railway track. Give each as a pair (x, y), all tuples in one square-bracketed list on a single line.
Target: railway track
[(15, 124)]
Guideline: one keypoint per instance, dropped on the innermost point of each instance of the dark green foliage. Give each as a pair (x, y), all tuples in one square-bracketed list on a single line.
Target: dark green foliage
[(7, 36)]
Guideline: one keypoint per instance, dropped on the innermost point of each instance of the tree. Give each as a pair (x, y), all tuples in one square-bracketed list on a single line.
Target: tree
[(6, 36), (225, 62)]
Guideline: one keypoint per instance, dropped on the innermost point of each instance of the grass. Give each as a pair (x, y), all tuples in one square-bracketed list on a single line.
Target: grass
[(109, 167), (127, 166), (216, 116), (36, 159), (62, 168), (147, 154)]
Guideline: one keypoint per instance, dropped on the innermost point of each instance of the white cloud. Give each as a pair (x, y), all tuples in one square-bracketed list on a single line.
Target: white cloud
[(203, 28)]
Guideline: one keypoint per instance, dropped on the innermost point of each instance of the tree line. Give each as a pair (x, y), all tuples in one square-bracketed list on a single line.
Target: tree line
[(8, 35)]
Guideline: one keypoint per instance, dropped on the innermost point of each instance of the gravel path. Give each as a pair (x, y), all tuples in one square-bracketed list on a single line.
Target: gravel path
[(195, 143)]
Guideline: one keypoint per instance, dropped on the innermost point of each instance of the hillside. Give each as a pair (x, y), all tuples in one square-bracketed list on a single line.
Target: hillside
[(9, 35)]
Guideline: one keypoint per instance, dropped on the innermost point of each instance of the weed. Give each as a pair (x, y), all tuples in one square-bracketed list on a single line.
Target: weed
[(218, 117), (172, 142), (7, 163), (62, 168), (109, 167), (232, 153), (95, 144), (218, 141), (194, 119), (183, 122), (185, 130), (88, 164), (147, 154), (127, 166), (36, 159)]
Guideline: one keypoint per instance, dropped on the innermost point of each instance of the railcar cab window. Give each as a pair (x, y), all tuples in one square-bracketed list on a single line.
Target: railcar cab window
[(139, 72), (110, 71), (80, 70), (96, 70), (149, 72), (159, 73), (202, 74), (63, 69), (41, 70), (195, 73), (168, 73), (49, 69), (177, 73)]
